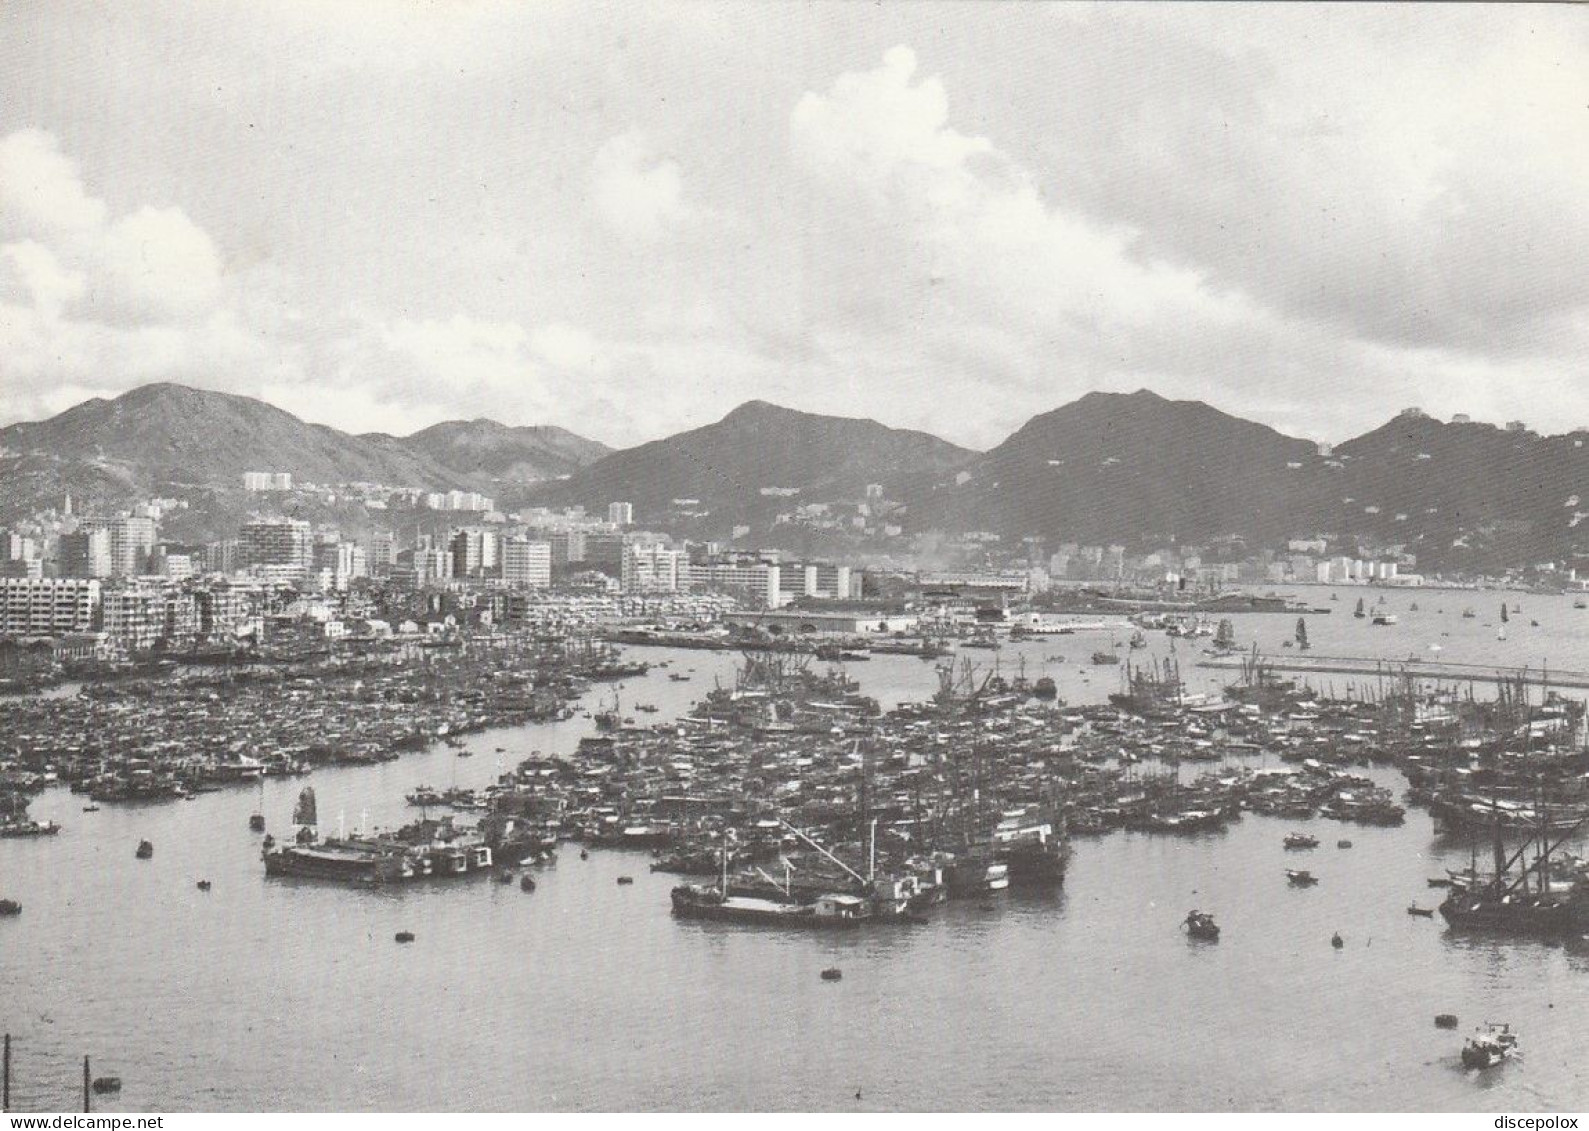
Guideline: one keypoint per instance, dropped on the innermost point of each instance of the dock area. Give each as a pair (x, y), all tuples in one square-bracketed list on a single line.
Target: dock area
[(1412, 667)]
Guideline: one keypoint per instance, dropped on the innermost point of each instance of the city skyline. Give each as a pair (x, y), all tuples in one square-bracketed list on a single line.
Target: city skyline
[(625, 221)]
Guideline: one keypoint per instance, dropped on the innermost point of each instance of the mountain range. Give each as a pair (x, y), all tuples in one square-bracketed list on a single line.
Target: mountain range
[(1135, 469)]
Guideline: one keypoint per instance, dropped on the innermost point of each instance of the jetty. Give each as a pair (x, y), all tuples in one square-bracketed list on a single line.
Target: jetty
[(1440, 670)]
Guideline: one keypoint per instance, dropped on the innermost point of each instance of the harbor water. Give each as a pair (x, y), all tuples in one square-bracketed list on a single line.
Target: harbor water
[(587, 994)]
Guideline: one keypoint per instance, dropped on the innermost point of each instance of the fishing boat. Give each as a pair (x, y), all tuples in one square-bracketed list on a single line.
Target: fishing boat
[(1421, 912), (1299, 878), (1489, 1046), (10, 907), (256, 819), (1360, 612), (1201, 925), (1301, 840), (1045, 688), (1302, 635), (1104, 658), (1383, 619), (29, 829), (145, 850), (832, 911)]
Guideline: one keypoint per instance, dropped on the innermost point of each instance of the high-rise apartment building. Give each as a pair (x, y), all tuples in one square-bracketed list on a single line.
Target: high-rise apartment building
[(276, 542), (527, 564), (132, 539), (85, 554), (47, 606)]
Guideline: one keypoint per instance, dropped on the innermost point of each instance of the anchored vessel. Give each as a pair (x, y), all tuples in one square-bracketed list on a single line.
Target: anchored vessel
[(424, 849), (1489, 1046)]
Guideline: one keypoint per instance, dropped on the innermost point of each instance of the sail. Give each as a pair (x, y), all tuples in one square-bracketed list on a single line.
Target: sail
[(305, 814), (1302, 632), (1503, 612), (1226, 637)]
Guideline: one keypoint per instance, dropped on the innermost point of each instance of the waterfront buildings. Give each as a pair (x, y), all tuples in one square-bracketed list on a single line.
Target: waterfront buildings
[(758, 583), (651, 568), (47, 606)]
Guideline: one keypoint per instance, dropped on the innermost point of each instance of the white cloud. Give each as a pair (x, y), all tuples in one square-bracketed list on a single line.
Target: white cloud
[(33, 271), (40, 190), (162, 260), (636, 192)]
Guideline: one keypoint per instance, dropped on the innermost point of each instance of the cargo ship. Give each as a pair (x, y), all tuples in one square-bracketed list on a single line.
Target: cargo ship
[(1033, 851), (422, 850), (834, 911)]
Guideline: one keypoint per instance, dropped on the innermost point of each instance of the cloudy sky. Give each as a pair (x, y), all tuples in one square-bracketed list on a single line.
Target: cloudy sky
[(627, 219)]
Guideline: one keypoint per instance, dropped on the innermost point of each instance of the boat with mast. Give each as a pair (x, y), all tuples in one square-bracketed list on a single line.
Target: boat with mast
[(1521, 896)]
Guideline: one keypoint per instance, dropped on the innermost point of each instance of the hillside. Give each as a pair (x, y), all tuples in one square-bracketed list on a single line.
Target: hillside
[(171, 439), (1122, 468), (485, 451), (759, 447)]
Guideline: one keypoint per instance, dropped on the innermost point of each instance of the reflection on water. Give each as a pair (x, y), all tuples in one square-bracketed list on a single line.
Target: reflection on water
[(588, 995)]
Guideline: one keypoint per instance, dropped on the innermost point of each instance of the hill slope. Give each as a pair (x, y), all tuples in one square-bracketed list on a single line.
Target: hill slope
[(172, 439), (483, 450), (1117, 468), (727, 465)]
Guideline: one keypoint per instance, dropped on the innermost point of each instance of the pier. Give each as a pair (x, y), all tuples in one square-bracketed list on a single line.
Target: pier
[(1411, 667)]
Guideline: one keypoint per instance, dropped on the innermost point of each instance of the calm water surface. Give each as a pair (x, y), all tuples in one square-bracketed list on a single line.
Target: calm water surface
[(589, 995)]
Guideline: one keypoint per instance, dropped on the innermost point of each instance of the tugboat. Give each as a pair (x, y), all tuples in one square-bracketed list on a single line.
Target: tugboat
[(1489, 1046), (1301, 840), (1301, 879), (145, 850), (1201, 925)]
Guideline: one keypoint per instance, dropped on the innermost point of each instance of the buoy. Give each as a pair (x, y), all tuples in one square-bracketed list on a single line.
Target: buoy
[(405, 936)]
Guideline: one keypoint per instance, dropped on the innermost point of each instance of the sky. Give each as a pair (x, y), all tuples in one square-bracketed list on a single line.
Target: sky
[(625, 219)]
